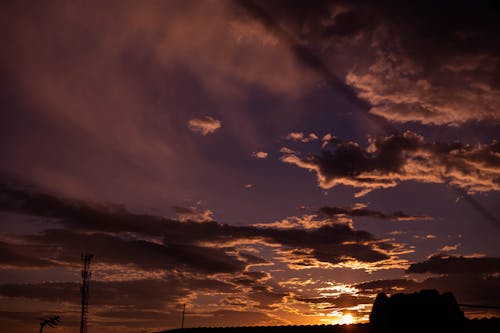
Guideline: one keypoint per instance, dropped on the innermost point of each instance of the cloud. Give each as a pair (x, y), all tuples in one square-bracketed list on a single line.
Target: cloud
[(115, 96), (260, 154), (140, 294), (340, 301), (301, 137), (433, 68), (448, 248), (403, 157), (64, 247), (328, 139), (403, 97), (311, 221), (194, 214), (137, 256), (451, 84), (181, 243), (21, 255), (388, 286), (286, 150), (362, 212), (204, 125), (443, 264), (78, 214)]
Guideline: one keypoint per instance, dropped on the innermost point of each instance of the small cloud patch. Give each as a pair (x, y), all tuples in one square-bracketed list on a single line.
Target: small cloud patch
[(204, 125), (260, 154)]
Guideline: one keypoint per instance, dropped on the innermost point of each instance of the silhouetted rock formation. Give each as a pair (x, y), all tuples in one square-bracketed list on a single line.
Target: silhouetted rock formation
[(422, 311)]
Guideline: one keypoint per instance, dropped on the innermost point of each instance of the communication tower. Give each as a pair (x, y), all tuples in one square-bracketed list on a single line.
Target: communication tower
[(86, 258)]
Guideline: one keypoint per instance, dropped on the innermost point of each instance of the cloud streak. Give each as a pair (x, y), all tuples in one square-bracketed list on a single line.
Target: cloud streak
[(363, 212), (442, 264)]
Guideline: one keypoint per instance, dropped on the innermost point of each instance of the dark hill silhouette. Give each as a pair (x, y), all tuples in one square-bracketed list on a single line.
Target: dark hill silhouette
[(425, 311)]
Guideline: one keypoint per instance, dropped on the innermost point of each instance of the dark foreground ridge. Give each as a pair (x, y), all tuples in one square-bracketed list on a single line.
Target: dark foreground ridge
[(425, 311)]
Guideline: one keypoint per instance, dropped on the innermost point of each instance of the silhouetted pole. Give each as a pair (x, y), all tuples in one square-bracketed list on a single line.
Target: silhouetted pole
[(183, 313), (86, 258)]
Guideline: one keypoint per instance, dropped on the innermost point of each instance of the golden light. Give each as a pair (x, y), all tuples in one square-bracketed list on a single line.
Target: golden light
[(346, 319)]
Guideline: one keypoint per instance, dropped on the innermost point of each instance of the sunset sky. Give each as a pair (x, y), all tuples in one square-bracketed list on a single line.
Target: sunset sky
[(263, 162)]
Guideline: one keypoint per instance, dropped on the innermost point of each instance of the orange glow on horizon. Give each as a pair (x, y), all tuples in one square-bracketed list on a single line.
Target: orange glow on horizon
[(346, 319)]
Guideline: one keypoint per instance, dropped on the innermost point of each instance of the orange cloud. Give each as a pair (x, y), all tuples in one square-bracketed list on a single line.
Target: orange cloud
[(302, 137), (204, 125), (260, 154)]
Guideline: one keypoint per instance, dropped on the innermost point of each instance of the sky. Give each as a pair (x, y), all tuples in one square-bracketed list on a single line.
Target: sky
[(261, 162)]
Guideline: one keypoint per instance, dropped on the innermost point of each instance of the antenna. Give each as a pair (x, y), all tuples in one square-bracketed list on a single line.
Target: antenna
[(50, 321), (183, 313), (86, 258)]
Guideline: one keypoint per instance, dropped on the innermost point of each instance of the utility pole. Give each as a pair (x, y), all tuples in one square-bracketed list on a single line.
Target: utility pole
[(183, 313), (86, 258)]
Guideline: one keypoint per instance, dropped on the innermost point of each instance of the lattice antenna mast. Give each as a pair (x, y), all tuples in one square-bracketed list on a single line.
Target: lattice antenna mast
[(86, 258), (183, 314)]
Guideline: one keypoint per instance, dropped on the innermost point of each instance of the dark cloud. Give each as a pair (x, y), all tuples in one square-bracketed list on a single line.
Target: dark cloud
[(266, 297), (136, 294), (77, 214), (442, 264), (252, 259), (331, 243), (363, 212), (341, 301), (426, 62), (296, 26), (65, 246), (385, 285), (21, 255), (403, 157), (144, 302)]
